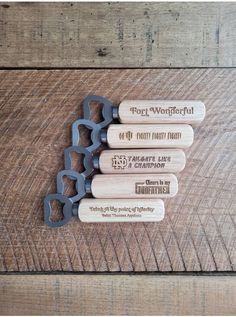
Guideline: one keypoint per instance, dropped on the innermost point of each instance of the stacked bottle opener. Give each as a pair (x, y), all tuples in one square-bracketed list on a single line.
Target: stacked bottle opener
[(145, 149)]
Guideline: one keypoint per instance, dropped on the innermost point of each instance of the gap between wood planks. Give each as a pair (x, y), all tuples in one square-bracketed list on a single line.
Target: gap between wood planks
[(171, 273), (110, 68)]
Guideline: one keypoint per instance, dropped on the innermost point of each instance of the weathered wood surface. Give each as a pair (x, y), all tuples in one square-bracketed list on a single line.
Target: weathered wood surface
[(117, 295), (199, 230), (117, 34)]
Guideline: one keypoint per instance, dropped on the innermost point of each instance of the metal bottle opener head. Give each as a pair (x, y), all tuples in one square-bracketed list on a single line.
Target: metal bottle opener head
[(82, 186), (109, 111), (95, 134), (70, 207), (87, 161), (67, 210)]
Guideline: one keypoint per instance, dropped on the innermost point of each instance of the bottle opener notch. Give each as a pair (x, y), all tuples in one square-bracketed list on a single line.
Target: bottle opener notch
[(67, 210), (87, 161), (70, 203), (107, 109), (79, 184), (95, 135)]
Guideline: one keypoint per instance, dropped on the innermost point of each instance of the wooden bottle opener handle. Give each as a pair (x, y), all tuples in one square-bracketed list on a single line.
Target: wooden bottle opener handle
[(121, 210), (161, 111), (142, 162), (134, 186), (149, 136)]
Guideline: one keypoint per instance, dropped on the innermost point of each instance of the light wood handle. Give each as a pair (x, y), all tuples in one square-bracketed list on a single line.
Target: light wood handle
[(161, 111), (121, 210), (134, 186), (149, 136), (142, 162)]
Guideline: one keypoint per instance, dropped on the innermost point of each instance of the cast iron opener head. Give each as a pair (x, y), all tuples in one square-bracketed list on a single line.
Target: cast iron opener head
[(70, 207)]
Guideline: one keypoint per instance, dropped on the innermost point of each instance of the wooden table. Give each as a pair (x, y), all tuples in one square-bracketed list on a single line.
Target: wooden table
[(189, 259)]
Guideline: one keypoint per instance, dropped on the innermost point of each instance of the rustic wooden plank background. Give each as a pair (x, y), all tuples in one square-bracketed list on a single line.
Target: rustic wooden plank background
[(198, 232), (37, 108), (117, 34), (117, 295)]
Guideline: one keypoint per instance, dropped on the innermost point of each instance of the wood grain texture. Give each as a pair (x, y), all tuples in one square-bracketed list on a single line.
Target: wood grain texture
[(118, 34), (199, 229), (117, 295)]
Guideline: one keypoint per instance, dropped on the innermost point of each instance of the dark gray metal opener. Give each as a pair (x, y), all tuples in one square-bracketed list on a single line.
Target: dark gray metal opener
[(87, 161), (98, 134), (95, 134), (70, 204), (70, 208), (109, 111)]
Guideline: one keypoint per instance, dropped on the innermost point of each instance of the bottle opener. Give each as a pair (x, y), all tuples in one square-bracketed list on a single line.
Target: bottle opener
[(113, 187), (135, 161), (135, 135), (106, 210), (148, 111), (120, 186)]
